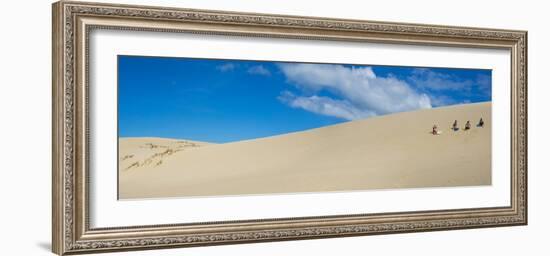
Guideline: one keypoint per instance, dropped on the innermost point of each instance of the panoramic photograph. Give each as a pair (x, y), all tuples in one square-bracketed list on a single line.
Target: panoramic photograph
[(192, 127)]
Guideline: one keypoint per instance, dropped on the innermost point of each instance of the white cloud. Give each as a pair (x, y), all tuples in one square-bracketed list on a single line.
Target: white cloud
[(448, 89), (361, 93), (442, 100), (228, 66), (429, 79), (259, 70), (325, 106)]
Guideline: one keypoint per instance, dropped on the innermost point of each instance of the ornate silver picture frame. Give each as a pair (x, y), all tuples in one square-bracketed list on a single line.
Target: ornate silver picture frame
[(72, 202)]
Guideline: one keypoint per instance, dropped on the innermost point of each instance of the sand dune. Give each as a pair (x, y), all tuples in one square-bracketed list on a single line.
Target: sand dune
[(393, 151)]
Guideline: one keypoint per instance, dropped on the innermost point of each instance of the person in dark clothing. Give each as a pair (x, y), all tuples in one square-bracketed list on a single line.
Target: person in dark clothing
[(455, 126), (467, 126), (481, 123)]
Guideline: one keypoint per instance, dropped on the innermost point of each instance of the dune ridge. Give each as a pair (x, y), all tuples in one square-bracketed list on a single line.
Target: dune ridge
[(386, 152)]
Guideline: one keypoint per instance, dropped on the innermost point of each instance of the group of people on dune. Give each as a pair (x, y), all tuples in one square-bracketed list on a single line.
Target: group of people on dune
[(455, 128)]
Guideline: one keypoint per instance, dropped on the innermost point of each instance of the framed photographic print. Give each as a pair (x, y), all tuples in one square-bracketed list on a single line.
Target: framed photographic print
[(179, 127)]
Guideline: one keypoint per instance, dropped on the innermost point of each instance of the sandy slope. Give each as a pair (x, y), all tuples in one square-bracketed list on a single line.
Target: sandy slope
[(147, 153), (393, 151)]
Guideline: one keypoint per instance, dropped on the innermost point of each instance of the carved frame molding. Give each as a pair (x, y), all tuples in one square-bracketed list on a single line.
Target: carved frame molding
[(72, 22)]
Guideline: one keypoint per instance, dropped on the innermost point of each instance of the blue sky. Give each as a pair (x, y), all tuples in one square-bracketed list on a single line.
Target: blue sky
[(230, 100)]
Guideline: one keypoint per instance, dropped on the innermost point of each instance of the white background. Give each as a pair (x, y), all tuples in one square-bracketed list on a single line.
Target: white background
[(25, 121)]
